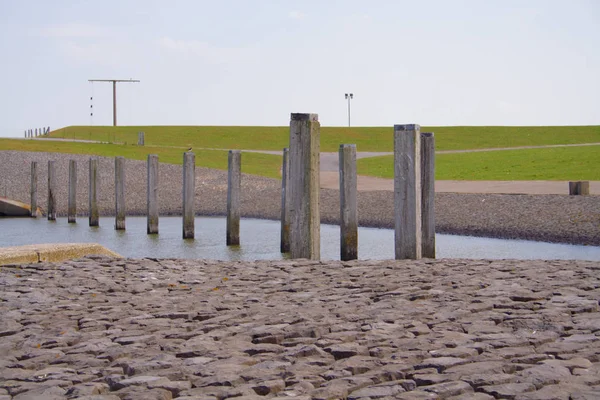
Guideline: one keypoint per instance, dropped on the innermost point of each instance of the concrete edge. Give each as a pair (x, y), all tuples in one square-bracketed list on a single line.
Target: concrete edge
[(52, 252)]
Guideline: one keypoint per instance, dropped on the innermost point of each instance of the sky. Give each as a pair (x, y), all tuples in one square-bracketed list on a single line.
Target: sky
[(253, 62)]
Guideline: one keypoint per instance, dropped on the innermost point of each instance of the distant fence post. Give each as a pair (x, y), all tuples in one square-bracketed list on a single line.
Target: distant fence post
[(285, 203), (234, 183), (152, 200), (51, 191), (140, 138), (348, 204), (25, 133), (407, 191), (33, 189), (428, 194), (305, 223), (93, 193), (579, 188), (189, 192), (72, 205), (120, 193)]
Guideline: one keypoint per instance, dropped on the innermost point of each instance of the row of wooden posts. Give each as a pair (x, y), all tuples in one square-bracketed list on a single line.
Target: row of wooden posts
[(300, 217), (30, 133)]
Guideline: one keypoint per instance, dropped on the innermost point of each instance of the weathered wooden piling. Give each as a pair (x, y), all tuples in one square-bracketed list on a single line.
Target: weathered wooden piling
[(428, 194), (407, 191), (140, 138), (285, 203), (189, 191), (152, 199), (579, 188), (51, 191), (72, 199), (348, 203), (234, 186), (33, 189), (94, 215), (120, 209), (305, 224)]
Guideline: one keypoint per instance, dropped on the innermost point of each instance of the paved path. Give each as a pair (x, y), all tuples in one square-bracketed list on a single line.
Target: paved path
[(208, 330)]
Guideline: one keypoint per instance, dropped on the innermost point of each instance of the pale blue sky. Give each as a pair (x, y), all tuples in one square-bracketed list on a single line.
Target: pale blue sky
[(253, 62)]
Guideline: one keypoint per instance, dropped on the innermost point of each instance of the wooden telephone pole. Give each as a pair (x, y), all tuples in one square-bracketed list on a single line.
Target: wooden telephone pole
[(114, 82)]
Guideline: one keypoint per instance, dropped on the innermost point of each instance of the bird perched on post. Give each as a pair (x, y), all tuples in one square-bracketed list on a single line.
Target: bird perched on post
[(190, 149)]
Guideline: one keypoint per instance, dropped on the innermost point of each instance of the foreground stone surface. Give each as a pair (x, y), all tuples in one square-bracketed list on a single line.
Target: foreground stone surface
[(99, 328)]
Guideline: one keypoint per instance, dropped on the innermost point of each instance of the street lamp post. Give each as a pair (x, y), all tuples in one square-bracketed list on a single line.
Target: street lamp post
[(349, 96)]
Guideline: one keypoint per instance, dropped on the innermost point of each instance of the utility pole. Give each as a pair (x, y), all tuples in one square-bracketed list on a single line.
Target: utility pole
[(114, 82), (349, 96)]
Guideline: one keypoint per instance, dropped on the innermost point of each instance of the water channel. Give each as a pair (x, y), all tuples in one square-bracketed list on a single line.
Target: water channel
[(260, 240)]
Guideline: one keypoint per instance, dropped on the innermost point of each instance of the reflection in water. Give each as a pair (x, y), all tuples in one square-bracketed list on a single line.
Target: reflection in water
[(260, 240)]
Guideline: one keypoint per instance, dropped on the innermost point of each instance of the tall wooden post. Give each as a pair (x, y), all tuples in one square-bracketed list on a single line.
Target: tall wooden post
[(234, 186), (140, 138), (33, 189), (285, 203), (152, 200), (94, 216), (189, 192), (407, 191), (305, 224), (51, 191), (428, 194), (120, 209), (72, 201), (348, 203)]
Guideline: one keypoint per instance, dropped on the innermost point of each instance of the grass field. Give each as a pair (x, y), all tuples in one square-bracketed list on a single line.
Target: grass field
[(561, 163), (366, 139), (252, 163)]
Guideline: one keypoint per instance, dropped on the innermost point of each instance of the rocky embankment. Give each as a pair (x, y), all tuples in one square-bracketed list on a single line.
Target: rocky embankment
[(100, 328), (552, 218)]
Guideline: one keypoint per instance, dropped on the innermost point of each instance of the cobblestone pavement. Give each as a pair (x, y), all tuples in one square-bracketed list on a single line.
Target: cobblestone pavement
[(100, 328)]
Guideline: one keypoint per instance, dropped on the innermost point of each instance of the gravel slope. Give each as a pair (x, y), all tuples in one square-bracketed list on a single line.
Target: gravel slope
[(553, 218)]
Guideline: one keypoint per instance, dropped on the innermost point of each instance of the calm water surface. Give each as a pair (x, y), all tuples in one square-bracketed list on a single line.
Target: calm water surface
[(260, 240)]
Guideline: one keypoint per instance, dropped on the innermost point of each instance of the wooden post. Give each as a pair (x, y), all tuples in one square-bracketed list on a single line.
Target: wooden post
[(51, 191), (305, 223), (152, 200), (348, 203), (189, 192), (285, 203), (234, 184), (407, 191), (33, 189), (428, 194), (120, 209), (140, 138), (579, 188), (72, 201), (94, 215)]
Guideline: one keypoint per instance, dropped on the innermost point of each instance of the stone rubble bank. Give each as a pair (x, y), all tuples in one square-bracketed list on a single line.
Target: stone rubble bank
[(100, 328)]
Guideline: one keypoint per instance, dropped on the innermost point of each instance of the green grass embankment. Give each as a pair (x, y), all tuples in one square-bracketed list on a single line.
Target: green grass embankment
[(252, 163), (559, 163)]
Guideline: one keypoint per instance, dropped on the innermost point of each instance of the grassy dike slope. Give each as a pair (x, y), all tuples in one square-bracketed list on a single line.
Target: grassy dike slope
[(365, 138), (252, 163)]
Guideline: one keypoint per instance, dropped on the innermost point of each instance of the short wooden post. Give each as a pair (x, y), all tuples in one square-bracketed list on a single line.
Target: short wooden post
[(140, 138), (51, 191), (94, 216), (152, 200), (120, 209), (234, 186), (578, 188), (33, 189), (189, 192), (72, 201), (348, 203), (305, 223), (285, 203), (407, 191), (428, 194)]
